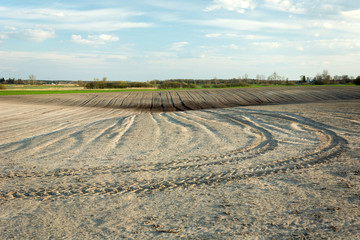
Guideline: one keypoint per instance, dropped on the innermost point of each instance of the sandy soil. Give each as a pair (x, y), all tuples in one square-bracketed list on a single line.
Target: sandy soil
[(256, 172)]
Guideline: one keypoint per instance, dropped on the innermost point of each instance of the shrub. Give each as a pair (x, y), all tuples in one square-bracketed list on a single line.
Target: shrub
[(2, 86), (167, 85), (220, 85), (243, 84)]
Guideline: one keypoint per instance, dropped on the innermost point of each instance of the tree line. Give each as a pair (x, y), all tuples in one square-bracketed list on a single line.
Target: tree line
[(33, 81), (323, 78)]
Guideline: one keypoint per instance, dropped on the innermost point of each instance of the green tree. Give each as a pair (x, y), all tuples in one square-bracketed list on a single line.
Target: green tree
[(303, 78)]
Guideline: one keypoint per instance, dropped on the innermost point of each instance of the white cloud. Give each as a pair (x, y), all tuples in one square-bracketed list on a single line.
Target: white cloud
[(339, 44), (235, 35), (242, 25), (68, 58), (234, 46), (231, 35), (95, 39), (117, 57), (79, 66), (3, 36), (178, 45), (11, 28), (285, 5), (231, 5), (213, 35), (225, 35), (102, 25), (106, 19), (355, 14), (255, 37), (39, 35), (68, 15), (267, 44)]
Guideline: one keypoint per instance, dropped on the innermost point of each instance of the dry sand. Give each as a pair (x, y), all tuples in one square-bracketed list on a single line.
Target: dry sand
[(257, 172)]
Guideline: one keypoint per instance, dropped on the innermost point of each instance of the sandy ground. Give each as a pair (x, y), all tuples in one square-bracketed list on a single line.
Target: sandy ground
[(260, 172)]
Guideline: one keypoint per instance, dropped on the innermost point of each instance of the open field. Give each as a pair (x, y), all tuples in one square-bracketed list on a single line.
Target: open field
[(207, 164), (182, 100)]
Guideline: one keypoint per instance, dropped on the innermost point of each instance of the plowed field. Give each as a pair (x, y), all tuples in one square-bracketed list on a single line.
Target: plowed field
[(142, 165), (182, 100)]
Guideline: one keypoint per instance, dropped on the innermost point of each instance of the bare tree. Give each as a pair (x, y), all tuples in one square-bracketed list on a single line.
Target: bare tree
[(326, 77), (32, 79), (215, 80), (260, 77), (274, 76), (246, 76)]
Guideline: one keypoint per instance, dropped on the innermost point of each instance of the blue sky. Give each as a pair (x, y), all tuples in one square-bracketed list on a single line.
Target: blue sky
[(142, 40)]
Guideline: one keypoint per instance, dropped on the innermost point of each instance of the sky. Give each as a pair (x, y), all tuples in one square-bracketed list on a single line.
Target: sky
[(142, 40)]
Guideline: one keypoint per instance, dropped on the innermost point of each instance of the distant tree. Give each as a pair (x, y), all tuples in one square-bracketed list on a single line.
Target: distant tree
[(20, 81), (32, 79), (303, 78), (246, 76), (357, 80), (215, 80), (169, 84), (274, 77), (345, 79), (318, 80), (260, 77), (80, 83), (10, 81), (326, 77)]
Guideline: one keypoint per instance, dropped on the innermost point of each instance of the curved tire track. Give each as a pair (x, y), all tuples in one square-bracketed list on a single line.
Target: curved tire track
[(204, 169)]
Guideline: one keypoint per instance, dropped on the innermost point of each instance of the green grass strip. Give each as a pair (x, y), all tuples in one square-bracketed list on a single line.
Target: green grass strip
[(35, 92)]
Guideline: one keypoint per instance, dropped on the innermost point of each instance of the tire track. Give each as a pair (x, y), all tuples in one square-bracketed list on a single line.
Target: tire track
[(106, 138), (262, 143), (204, 169)]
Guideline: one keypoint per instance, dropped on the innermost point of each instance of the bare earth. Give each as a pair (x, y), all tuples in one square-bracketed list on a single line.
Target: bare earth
[(100, 166)]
